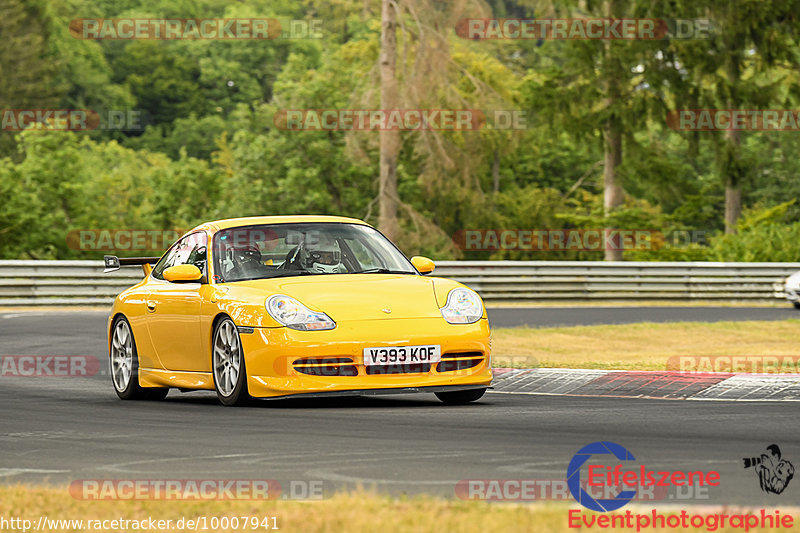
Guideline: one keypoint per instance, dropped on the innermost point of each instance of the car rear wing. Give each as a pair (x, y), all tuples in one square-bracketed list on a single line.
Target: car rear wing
[(112, 263)]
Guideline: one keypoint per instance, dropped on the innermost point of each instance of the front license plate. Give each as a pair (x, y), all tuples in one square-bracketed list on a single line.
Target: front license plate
[(392, 355)]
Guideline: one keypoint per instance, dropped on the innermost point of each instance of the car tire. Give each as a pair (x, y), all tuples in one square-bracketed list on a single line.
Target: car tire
[(796, 305), (227, 365), (124, 365), (460, 396)]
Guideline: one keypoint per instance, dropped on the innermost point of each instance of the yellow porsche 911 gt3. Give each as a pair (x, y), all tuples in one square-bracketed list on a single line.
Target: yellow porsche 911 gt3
[(275, 307)]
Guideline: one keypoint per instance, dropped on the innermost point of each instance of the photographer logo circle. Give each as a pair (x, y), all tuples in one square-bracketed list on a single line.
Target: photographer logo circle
[(574, 476)]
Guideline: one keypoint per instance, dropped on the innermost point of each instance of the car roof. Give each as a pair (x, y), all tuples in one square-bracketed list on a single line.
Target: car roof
[(217, 225)]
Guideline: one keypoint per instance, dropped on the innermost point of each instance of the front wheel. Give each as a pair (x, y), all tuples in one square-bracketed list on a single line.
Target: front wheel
[(460, 396), (125, 365), (230, 376)]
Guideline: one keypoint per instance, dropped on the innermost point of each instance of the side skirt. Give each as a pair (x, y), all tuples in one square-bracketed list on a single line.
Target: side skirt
[(153, 377)]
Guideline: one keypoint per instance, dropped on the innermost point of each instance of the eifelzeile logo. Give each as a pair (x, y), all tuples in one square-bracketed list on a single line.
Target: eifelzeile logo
[(551, 240), (195, 489), (752, 364), (42, 366), (194, 28), (107, 240), (734, 119), (605, 475), (583, 28), (602, 462), (71, 119), (399, 119)]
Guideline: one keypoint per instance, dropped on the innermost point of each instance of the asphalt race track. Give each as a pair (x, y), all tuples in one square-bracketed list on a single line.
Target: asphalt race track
[(59, 430)]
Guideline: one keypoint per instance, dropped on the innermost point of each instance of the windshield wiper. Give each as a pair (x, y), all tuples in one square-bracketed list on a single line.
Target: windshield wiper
[(289, 273), (381, 271), (283, 275)]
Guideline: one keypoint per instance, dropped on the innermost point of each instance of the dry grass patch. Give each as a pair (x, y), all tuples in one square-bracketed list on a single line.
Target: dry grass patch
[(642, 346), (353, 512)]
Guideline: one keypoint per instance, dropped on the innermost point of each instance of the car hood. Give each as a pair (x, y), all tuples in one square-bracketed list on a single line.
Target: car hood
[(355, 296)]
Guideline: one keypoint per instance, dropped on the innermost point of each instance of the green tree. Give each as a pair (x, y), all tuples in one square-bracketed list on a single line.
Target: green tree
[(735, 69), (601, 90), (28, 68)]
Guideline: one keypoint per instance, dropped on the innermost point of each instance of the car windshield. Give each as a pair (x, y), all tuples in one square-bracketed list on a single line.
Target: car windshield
[(304, 249)]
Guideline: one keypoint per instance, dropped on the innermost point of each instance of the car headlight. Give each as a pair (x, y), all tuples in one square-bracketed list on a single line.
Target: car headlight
[(292, 314), (463, 306)]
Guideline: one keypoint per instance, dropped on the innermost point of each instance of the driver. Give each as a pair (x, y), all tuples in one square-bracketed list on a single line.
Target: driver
[(324, 256), (247, 261)]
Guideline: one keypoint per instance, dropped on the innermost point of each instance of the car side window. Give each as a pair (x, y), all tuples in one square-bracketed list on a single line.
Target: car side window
[(190, 250)]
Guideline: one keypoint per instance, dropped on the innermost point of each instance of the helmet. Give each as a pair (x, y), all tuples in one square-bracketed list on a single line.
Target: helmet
[(323, 255)]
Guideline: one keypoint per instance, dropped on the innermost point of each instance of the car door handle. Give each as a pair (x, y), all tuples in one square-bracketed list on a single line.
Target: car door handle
[(151, 306)]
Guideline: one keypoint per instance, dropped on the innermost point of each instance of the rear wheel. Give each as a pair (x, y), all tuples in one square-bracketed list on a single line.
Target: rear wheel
[(461, 396), (230, 376), (125, 365)]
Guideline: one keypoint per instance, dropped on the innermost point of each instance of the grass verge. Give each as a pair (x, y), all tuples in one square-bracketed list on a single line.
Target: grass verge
[(352, 512), (642, 346)]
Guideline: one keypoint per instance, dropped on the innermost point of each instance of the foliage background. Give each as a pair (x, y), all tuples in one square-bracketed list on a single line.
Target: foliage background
[(210, 148)]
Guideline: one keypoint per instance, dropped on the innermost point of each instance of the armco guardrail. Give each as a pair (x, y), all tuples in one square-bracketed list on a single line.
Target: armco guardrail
[(600, 280), (83, 282), (62, 282)]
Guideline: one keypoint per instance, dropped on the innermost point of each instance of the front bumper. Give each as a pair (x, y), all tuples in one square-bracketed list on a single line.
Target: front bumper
[(375, 392), (791, 294), (271, 355)]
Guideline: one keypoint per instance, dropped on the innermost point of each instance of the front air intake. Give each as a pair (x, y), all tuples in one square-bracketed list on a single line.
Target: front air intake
[(459, 361), (326, 366)]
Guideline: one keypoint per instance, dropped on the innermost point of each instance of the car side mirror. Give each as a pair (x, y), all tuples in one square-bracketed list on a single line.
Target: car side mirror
[(423, 264), (183, 273)]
